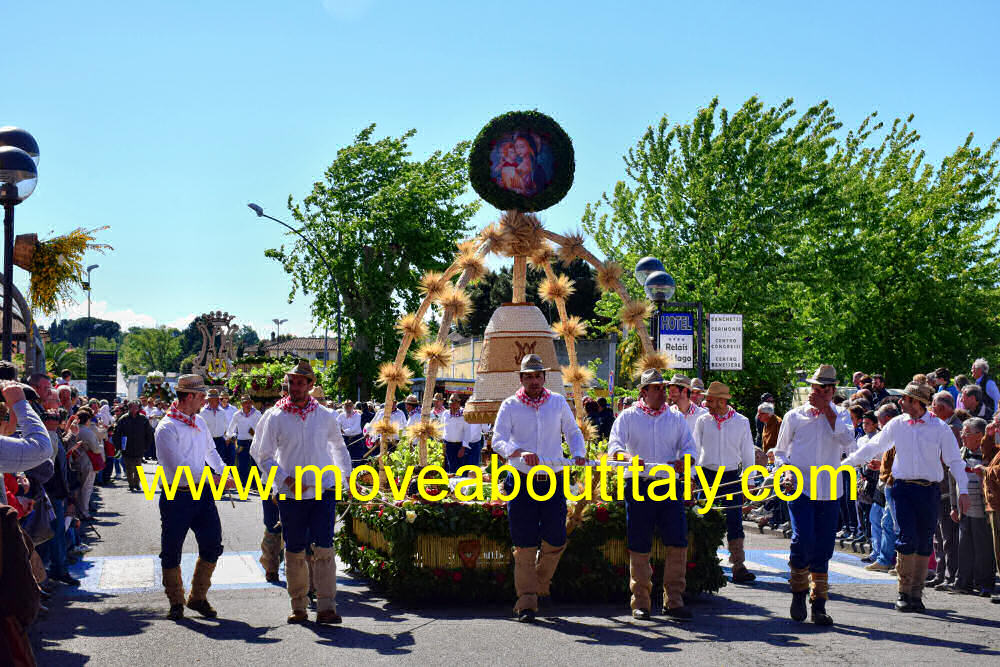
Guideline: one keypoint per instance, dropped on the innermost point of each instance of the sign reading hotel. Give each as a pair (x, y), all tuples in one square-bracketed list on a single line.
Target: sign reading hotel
[(725, 342), (677, 339)]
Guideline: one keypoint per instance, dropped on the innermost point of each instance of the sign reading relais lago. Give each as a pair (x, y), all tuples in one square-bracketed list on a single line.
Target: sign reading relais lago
[(677, 339), (725, 342)]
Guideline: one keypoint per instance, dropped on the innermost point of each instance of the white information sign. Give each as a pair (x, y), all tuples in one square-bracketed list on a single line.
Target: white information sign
[(725, 342), (677, 339)]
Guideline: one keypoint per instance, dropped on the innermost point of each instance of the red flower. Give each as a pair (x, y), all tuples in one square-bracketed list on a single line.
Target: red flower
[(438, 572), (691, 566), (399, 503), (497, 511), (382, 565), (457, 576), (601, 514), (380, 509), (362, 547)]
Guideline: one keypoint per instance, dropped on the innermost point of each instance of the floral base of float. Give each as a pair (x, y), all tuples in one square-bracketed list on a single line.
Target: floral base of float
[(422, 552)]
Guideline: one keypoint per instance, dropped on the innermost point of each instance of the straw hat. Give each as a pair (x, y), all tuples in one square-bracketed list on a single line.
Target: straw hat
[(411, 400), (191, 382), (532, 363), (697, 385), (825, 375), (246, 397), (439, 396), (213, 393), (680, 380), (455, 399), (651, 376), (302, 368), (920, 392), (718, 390), (317, 392)]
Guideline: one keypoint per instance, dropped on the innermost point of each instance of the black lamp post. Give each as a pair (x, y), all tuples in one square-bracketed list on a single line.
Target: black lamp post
[(18, 177), (256, 208), (659, 287)]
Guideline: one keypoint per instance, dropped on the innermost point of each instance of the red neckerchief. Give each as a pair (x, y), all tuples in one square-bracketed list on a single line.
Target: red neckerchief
[(533, 402), (719, 420), (911, 422), (814, 412), (289, 407), (650, 411), (174, 413)]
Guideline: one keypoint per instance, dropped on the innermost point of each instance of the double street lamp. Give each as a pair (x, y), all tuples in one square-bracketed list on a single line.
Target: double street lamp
[(278, 323), (659, 287), (256, 208), (18, 177)]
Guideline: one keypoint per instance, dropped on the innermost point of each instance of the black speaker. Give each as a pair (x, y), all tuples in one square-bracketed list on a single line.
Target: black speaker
[(102, 374)]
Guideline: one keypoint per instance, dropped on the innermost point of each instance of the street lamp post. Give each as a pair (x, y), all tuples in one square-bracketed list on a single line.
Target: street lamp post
[(18, 177), (256, 208), (660, 287), (278, 324), (90, 323)]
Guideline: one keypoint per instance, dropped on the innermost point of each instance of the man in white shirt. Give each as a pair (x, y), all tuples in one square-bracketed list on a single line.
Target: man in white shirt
[(679, 397), (217, 421), (227, 407), (350, 427), (438, 411), (182, 440), (815, 434), (725, 442), (650, 434), (241, 429), (477, 433), (396, 418), (295, 433), (456, 435), (530, 426), (412, 407), (697, 391), (922, 442)]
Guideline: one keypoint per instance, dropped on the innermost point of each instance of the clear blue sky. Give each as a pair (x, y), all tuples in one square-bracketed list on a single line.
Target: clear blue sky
[(164, 119)]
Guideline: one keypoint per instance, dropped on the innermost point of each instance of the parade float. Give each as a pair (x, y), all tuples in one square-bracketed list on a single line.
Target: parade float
[(422, 551)]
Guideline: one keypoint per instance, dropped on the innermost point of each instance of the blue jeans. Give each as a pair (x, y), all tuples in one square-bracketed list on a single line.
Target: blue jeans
[(243, 460), (917, 513), (182, 514), (306, 522), (474, 454), (56, 547), (271, 516), (883, 536), (226, 451), (451, 460), (532, 521), (643, 516), (814, 529), (890, 505), (733, 507)]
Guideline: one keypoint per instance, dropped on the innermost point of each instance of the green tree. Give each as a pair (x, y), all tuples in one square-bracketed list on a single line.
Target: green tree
[(60, 356), (153, 349), (381, 219), (75, 331), (102, 343)]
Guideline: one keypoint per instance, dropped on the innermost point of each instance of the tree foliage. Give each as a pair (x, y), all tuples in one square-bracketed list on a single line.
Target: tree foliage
[(152, 349), (75, 331), (381, 219), (846, 250), (59, 356)]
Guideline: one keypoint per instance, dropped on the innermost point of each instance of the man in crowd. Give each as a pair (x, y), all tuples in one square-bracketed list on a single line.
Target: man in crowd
[(981, 377), (725, 443), (295, 433), (529, 428), (946, 533), (133, 437), (456, 435), (241, 429), (973, 400), (350, 427), (679, 395), (649, 433), (879, 392), (697, 391), (921, 442), (412, 407), (183, 440), (217, 421), (814, 434), (770, 424), (438, 410), (975, 539)]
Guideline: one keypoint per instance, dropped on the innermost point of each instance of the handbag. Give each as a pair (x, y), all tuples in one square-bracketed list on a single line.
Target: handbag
[(96, 461), (38, 525)]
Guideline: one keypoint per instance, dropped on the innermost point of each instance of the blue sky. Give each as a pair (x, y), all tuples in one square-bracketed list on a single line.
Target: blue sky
[(163, 120)]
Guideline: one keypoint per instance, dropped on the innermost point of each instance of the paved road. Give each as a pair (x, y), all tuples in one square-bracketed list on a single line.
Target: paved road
[(121, 600)]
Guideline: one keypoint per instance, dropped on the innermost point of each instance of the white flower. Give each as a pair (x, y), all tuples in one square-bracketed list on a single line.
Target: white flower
[(411, 516)]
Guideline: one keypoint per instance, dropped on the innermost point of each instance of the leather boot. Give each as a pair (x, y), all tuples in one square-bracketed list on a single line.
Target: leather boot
[(640, 583), (548, 560), (674, 582), (904, 568), (200, 583), (799, 583), (918, 577), (324, 569), (741, 575), (818, 598), (525, 583), (297, 574), (173, 586), (270, 555)]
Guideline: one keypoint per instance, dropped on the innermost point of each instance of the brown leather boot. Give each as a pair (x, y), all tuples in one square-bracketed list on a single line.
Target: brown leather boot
[(799, 583), (173, 586), (270, 555), (525, 583), (640, 583), (904, 568), (324, 570), (819, 596), (918, 577), (297, 574), (545, 567), (674, 583), (741, 575)]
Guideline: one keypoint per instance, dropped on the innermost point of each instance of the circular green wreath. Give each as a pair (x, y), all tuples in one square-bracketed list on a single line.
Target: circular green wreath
[(562, 153)]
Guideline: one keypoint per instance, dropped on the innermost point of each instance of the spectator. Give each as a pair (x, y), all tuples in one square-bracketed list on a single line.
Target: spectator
[(770, 424), (133, 438), (33, 448), (975, 552), (981, 376), (960, 382), (879, 392), (990, 475), (93, 450), (944, 382), (946, 533), (973, 401)]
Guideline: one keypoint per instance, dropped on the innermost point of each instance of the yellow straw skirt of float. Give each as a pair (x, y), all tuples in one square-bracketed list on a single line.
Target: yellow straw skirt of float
[(515, 330)]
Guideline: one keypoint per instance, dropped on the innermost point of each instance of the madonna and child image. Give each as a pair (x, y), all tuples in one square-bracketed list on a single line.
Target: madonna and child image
[(522, 162)]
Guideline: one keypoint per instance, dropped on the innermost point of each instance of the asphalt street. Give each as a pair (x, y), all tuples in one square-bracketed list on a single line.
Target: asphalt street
[(121, 600)]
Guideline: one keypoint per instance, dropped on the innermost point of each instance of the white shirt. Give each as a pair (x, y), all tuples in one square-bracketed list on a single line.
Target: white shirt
[(730, 446), (178, 444), (806, 441), (920, 448), (477, 431), (241, 423), (31, 449), (397, 417), (691, 416), (439, 414), (414, 418), (657, 440), (153, 414), (216, 420), (286, 441), (350, 425), (540, 431), (230, 411), (455, 428)]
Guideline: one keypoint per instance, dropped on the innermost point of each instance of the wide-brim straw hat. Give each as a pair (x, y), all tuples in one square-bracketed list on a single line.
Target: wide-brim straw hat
[(825, 376), (718, 390), (921, 392), (697, 384), (680, 380), (439, 396), (532, 363), (191, 382), (213, 393), (317, 392), (303, 368), (651, 376), (455, 398), (412, 400)]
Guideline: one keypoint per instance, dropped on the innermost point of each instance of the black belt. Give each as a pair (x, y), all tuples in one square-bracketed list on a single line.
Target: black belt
[(918, 482)]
